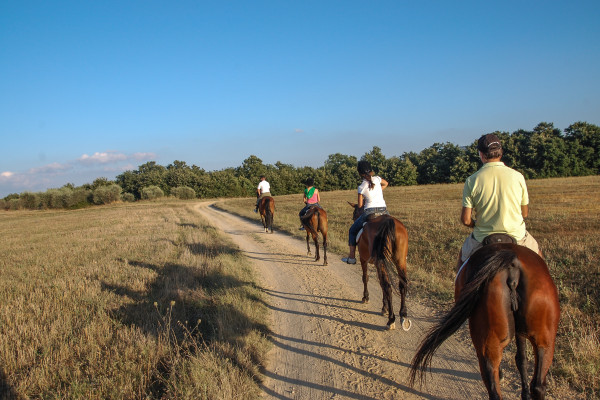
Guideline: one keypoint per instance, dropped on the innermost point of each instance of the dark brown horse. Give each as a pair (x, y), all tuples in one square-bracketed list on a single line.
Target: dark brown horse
[(505, 290), (384, 243), (315, 221), (266, 208)]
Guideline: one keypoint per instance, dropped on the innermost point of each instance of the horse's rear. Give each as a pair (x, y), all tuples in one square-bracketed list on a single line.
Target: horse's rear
[(535, 318), (315, 221), (384, 243), (505, 291), (266, 208)]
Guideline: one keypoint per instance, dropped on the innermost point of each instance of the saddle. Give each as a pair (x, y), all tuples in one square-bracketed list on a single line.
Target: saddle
[(369, 218), (375, 215), (498, 238)]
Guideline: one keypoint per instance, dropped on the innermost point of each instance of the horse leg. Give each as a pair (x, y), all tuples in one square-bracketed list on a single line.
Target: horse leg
[(489, 369), (521, 361), (365, 279), (316, 240), (405, 322), (308, 253), (386, 288), (324, 248), (489, 342), (543, 359)]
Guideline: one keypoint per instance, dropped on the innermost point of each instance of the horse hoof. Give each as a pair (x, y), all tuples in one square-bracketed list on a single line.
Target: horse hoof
[(406, 324), (325, 263), (365, 300), (391, 326)]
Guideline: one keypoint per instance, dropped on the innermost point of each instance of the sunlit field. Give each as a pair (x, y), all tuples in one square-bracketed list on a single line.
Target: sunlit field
[(564, 217), (132, 301)]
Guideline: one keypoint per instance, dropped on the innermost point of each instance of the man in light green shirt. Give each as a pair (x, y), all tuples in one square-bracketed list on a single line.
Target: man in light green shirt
[(498, 196)]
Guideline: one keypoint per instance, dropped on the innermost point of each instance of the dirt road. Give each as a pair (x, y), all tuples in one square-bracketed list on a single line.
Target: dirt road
[(327, 344)]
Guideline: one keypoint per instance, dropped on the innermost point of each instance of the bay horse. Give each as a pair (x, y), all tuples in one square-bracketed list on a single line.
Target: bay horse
[(266, 208), (505, 291), (384, 243), (315, 221)]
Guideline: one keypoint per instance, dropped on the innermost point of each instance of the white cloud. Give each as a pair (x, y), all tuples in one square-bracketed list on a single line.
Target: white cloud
[(102, 158), (82, 170), (143, 156), (53, 168), (113, 157)]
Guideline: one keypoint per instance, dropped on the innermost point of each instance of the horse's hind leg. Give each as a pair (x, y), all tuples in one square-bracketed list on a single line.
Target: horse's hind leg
[(325, 249), (386, 288), (490, 373), (316, 240), (308, 253), (543, 359), (521, 361), (365, 279)]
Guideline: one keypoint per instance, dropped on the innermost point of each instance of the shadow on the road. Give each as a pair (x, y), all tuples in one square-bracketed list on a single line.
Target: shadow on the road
[(281, 342)]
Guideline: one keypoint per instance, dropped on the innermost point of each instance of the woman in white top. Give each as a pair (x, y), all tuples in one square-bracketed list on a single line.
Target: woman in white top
[(370, 195)]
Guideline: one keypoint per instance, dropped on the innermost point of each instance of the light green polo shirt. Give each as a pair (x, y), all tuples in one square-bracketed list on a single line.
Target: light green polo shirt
[(496, 193)]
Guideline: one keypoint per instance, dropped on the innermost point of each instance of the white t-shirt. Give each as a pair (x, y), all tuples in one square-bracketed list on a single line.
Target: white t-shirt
[(374, 197), (264, 187)]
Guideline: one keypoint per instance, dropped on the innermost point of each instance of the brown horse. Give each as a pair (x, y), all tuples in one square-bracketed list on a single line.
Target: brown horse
[(315, 221), (384, 243), (504, 290), (266, 208)]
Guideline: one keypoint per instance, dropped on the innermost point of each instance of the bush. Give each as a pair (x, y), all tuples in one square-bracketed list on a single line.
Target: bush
[(3, 204), (107, 194), (56, 198), (14, 204), (30, 200), (80, 198), (152, 192), (129, 197), (183, 192)]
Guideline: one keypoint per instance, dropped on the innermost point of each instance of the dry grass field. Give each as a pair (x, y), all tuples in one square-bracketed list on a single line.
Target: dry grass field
[(564, 218), (132, 301)]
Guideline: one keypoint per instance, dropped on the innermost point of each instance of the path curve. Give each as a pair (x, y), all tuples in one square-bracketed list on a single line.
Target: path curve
[(326, 343)]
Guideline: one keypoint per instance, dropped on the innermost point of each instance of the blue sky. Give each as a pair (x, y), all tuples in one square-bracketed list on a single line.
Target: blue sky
[(92, 88)]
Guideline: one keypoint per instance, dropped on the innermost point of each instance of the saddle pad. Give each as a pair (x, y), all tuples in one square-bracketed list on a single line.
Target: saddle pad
[(360, 233)]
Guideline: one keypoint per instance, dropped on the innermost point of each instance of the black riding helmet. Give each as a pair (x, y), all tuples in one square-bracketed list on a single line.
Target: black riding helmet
[(364, 167)]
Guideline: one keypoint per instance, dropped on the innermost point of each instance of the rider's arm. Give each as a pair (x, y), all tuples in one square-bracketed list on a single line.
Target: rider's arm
[(525, 210), (384, 183), (360, 200), (318, 196), (466, 217)]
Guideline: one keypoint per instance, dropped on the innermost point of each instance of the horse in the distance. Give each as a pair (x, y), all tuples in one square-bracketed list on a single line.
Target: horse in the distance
[(384, 243), (505, 291), (315, 221), (266, 208)]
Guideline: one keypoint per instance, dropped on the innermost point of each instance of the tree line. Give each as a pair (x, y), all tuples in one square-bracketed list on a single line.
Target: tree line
[(543, 152)]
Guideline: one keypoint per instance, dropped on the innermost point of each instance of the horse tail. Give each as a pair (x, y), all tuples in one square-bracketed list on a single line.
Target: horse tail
[(319, 224), (491, 264), (384, 247)]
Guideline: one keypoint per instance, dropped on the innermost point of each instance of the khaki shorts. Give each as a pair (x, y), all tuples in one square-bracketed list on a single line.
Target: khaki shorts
[(471, 245)]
